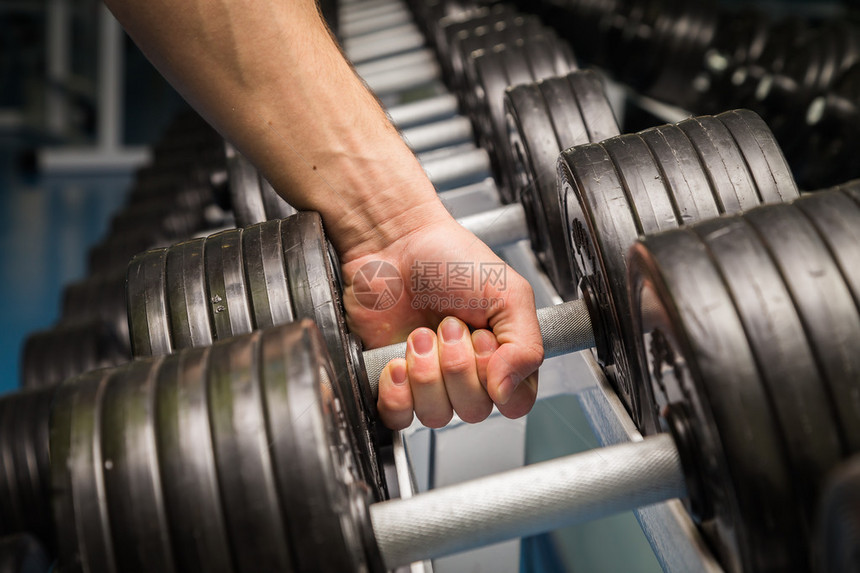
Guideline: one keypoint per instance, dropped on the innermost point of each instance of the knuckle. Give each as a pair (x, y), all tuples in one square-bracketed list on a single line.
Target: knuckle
[(424, 377), (457, 365), (394, 402)]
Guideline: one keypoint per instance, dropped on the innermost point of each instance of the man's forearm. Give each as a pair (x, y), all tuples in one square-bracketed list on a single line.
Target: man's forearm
[(269, 77)]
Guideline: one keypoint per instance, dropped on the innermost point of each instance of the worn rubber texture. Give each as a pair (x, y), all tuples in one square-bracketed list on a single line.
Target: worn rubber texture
[(315, 297), (147, 304), (824, 302), (801, 403), (187, 297), (225, 284), (689, 334), (602, 226), (730, 179), (267, 281), (138, 526), (241, 452)]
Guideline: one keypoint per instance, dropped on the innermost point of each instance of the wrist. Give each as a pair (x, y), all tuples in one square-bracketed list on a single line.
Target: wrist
[(373, 203)]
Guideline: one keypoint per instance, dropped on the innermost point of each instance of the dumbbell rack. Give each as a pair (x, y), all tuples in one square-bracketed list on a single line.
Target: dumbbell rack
[(425, 459)]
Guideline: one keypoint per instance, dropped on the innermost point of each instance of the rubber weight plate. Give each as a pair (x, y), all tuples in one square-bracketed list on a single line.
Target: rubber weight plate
[(241, 451), (99, 296), (187, 297), (225, 284), (52, 356), (824, 302), (138, 527), (148, 321), (703, 377), (638, 184), (270, 463), (267, 286), (23, 554), (800, 402), (544, 118), (191, 493), (601, 232), (528, 60), (77, 478), (316, 297)]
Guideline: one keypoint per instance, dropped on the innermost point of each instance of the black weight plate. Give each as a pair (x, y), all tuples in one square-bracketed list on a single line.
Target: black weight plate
[(132, 483), (242, 455), (690, 336), (640, 177), (547, 56), (602, 227), (34, 495), (267, 280), (187, 462), (837, 219), (452, 37), (766, 162), (245, 197), (40, 440), (484, 37), (535, 148), (597, 114), (787, 366), (682, 172), (187, 298), (311, 460), (23, 554), (315, 297), (11, 496), (225, 284), (148, 324), (496, 70), (275, 205), (824, 303), (101, 296), (77, 476), (730, 179)]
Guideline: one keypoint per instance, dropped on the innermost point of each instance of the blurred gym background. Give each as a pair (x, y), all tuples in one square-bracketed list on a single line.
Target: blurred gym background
[(78, 106)]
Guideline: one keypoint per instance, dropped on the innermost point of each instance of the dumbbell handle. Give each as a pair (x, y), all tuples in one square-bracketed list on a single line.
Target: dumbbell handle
[(526, 501), (565, 328), (498, 227)]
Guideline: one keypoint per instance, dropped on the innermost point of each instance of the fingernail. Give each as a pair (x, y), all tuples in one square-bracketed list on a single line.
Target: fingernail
[(422, 342), (506, 389), (452, 330), (484, 342), (398, 373)]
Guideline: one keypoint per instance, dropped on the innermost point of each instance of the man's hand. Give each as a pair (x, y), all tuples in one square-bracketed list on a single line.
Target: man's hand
[(447, 368)]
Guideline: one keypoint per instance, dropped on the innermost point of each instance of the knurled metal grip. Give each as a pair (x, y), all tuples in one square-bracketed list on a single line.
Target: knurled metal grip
[(564, 328), (534, 499)]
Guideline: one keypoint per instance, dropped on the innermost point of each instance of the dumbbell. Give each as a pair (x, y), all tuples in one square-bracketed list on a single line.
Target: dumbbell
[(51, 356), (234, 282), (732, 446)]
